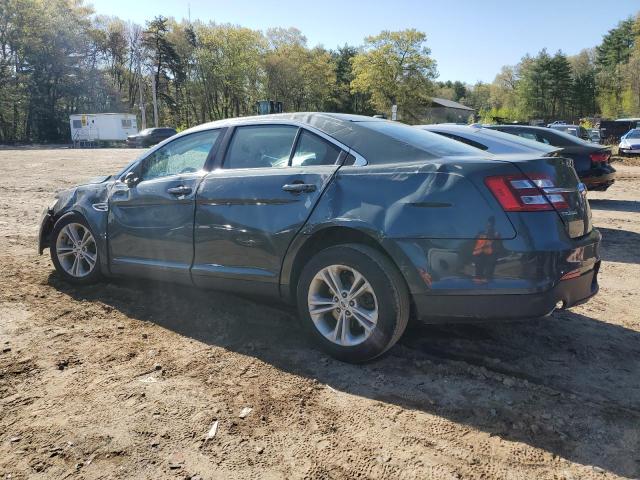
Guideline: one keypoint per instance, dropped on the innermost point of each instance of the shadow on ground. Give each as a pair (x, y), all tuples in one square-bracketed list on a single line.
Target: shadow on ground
[(620, 245), (615, 205), (567, 384)]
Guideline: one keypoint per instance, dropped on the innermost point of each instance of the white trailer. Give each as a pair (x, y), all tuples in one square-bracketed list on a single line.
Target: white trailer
[(91, 128)]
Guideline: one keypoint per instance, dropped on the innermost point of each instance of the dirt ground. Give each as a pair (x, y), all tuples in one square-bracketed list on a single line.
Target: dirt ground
[(125, 380)]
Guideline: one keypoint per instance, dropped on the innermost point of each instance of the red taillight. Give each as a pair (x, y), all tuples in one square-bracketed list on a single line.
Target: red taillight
[(517, 193), (600, 157)]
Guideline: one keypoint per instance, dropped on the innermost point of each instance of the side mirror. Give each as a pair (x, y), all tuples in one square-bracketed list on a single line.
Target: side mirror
[(130, 179)]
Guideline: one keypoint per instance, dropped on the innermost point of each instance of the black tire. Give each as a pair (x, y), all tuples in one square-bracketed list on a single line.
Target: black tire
[(94, 275), (390, 290)]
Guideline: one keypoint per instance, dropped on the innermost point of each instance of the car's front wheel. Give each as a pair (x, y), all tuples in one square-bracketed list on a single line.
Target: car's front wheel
[(354, 301), (74, 251)]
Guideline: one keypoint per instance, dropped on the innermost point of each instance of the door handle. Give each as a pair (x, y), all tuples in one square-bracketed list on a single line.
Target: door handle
[(181, 190), (299, 187)]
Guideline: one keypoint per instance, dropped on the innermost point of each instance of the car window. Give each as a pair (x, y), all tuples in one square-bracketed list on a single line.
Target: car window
[(313, 150), (261, 146), (501, 136), (543, 138), (184, 155), (562, 139), (528, 135)]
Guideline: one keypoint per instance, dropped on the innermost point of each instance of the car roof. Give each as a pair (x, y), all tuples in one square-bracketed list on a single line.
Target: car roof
[(361, 140), (309, 118)]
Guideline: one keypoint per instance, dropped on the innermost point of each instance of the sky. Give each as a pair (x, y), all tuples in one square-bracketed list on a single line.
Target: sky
[(470, 40)]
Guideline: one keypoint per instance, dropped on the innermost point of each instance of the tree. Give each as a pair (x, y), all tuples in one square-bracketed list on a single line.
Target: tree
[(560, 86), (534, 88), (162, 57), (228, 65), (459, 90), (342, 99), (395, 68), (611, 56), (584, 83), (479, 97), (301, 78)]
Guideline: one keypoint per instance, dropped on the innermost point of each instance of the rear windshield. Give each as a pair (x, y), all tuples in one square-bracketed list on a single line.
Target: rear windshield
[(524, 142), (570, 139), (390, 142)]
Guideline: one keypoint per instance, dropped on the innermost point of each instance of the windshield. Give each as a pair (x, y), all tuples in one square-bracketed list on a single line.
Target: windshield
[(633, 134), (402, 143)]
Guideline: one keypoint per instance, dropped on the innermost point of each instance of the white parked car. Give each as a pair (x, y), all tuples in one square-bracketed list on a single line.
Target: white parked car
[(630, 142)]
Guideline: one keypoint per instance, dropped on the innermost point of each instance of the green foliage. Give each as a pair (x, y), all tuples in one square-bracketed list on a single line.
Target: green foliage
[(395, 68), (455, 91), (57, 57), (611, 58), (301, 78)]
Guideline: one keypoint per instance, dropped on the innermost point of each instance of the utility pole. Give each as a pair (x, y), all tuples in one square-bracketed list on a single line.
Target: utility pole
[(155, 101), (143, 110)]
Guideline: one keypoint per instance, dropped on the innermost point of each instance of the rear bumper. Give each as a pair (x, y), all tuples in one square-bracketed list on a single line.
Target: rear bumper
[(524, 277), (599, 178), (462, 308)]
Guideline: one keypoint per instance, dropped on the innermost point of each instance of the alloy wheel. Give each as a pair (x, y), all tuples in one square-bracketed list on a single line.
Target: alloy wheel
[(76, 250), (342, 305)]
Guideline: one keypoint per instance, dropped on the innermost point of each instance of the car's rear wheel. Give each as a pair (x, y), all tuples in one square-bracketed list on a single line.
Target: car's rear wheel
[(354, 302), (74, 250)]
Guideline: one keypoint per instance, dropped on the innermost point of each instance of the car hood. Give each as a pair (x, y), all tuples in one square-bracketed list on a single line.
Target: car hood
[(631, 141), (96, 180), (91, 184)]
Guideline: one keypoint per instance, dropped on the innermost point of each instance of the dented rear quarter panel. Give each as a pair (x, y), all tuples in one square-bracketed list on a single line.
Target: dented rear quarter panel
[(415, 211)]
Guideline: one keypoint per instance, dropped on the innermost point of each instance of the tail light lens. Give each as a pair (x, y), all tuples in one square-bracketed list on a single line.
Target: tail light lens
[(600, 157), (517, 193)]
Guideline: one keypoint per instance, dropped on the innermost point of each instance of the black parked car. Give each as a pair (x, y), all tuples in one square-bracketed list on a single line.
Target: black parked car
[(591, 161), (360, 222), (150, 136), (491, 141)]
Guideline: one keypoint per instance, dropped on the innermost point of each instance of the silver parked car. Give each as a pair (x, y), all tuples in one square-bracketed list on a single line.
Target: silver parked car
[(492, 141), (630, 142)]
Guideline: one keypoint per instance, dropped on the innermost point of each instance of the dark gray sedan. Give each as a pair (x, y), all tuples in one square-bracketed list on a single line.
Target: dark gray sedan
[(362, 223)]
